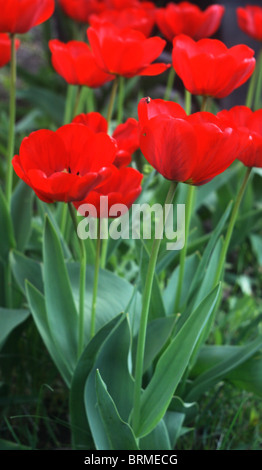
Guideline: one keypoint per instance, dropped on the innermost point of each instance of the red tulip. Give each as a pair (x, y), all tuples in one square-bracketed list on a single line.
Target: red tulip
[(191, 149), (66, 164), (208, 67), (122, 187), (138, 18), (249, 124), (125, 52), (125, 135), (187, 18), (75, 62), (250, 21), (80, 10), (5, 48), (122, 4), (19, 16)]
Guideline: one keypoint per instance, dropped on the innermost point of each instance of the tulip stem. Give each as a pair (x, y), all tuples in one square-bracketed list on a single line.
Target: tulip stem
[(253, 85), (112, 101), (12, 117), (96, 276), (183, 252), (170, 83), (82, 283), (121, 96), (146, 297), (231, 225)]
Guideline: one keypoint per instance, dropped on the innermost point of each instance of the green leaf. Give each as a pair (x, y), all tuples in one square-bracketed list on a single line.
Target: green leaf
[(7, 239), (21, 213), (172, 365), (115, 295), (36, 303), (61, 310), (9, 320), (112, 362), (119, 433), (169, 295), (220, 370), (205, 260), (158, 333), (248, 376), (81, 434), (26, 269), (46, 100), (156, 439), (157, 307)]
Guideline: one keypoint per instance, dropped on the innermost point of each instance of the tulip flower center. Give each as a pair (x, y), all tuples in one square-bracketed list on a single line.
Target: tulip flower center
[(68, 170)]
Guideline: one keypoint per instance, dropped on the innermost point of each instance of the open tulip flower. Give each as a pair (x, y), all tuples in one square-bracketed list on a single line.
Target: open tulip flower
[(207, 67), (125, 135), (5, 48), (75, 62), (19, 16), (125, 52), (191, 149), (66, 164), (122, 187), (140, 19), (249, 124), (250, 21), (80, 10), (187, 18)]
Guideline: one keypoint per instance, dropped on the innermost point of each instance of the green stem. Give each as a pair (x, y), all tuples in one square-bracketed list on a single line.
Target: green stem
[(183, 252), (144, 315), (96, 276), (104, 224), (253, 82), (121, 96), (231, 225), (77, 101), (170, 83), (259, 82), (112, 100), (69, 104), (188, 101), (12, 117), (82, 283)]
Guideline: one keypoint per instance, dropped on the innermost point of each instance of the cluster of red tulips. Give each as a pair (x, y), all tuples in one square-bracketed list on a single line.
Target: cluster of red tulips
[(67, 164)]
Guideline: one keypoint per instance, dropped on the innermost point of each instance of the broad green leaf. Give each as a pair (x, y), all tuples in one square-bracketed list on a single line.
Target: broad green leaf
[(61, 310), (25, 268), (201, 270), (81, 434), (172, 365), (9, 445), (157, 439), (158, 333), (115, 295), (9, 320), (220, 370), (119, 433), (248, 376), (21, 213), (46, 100), (157, 307), (7, 239), (45, 210), (36, 303), (112, 362), (169, 294)]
